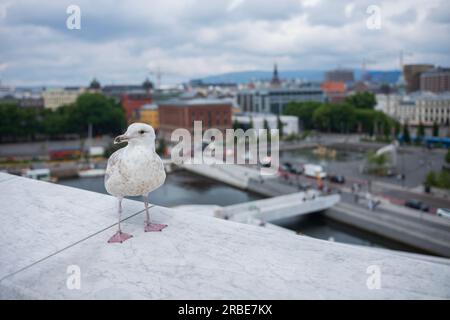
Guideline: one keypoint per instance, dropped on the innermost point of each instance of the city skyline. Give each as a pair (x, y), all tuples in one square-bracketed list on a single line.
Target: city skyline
[(128, 42)]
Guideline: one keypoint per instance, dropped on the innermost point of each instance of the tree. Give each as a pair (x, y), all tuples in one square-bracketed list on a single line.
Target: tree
[(378, 162), (236, 124), (397, 128), (431, 180), (438, 180), (304, 111), (322, 118), (161, 147), (58, 122), (9, 117), (447, 157), (435, 130), (251, 125), (335, 118), (105, 115), (363, 100), (406, 135), (420, 132), (365, 120)]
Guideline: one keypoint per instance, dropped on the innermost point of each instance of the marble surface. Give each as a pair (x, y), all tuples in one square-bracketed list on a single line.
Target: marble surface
[(46, 228)]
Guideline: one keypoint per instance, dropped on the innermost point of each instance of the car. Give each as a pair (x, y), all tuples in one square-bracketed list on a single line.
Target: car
[(337, 179), (443, 212), (416, 204), (289, 167)]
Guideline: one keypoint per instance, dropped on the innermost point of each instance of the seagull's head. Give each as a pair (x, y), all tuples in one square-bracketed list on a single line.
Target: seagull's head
[(138, 133)]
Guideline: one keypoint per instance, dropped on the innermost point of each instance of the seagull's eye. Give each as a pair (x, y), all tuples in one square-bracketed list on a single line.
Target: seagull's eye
[(141, 132)]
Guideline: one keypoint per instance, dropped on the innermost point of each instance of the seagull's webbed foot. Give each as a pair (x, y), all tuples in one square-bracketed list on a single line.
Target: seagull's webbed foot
[(154, 227), (120, 237), (151, 227)]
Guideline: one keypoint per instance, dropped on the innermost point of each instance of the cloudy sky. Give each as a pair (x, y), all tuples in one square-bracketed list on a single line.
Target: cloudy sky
[(125, 41)]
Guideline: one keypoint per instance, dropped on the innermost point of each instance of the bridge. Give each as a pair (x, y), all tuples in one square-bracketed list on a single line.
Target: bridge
[(262, 212)]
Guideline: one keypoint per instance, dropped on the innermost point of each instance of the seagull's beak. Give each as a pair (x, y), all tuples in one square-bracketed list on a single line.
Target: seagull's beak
[(121, 139)]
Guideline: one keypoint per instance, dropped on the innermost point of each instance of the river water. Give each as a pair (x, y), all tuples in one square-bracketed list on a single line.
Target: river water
[(182, 188)]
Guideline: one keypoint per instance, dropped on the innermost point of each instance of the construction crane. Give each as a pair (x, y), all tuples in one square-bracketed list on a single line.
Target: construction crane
[(402, 57), (158, 75)]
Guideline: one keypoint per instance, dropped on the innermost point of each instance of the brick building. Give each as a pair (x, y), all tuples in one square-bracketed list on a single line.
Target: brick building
[(175, 114), (132, 102), (435, 80), (411, 73)]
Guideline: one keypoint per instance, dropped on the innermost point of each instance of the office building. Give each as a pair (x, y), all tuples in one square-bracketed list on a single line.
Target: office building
[(411, 75), (275, 100), (340, 75), (435, 80)]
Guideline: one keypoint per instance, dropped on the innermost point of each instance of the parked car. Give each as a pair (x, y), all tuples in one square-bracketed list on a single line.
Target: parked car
[(443, 212), (337, 179), (416, 204), (289, 167)]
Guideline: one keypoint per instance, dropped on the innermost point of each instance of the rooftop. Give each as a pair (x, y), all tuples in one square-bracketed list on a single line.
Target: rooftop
[(47, 227), (435, 70), (150, 106), (196, 102)]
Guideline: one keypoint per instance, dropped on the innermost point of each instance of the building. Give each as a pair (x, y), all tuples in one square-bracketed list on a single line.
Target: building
[(335, 92), (117, 91), (132, 102), (148, 113), (435, 80), (275, 100), (175, 114), (31, 101), (340, 75), (420, 107), (95, 86), (290, 123), (55, 98), (411, 75), (22, 97), (275, 82)]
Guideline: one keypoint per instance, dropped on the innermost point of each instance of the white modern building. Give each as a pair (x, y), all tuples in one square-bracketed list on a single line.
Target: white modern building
[(425, 107), (290, 123), (275, 100)]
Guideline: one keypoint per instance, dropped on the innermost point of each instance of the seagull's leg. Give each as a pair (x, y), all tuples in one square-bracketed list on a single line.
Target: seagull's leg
[(120, 236), (151, 227)]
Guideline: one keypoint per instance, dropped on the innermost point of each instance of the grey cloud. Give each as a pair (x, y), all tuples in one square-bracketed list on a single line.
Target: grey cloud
[(119, 41)]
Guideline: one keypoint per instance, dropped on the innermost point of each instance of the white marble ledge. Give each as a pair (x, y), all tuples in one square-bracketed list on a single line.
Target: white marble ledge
[(196, 257)]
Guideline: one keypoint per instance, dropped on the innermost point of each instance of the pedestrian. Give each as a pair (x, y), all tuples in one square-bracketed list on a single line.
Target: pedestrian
[(371, 205)]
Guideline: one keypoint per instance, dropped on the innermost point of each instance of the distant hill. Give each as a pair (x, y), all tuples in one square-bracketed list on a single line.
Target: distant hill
[(390, 76)]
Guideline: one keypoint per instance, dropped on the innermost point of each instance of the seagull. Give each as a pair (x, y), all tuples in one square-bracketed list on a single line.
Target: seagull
[(135, 170)]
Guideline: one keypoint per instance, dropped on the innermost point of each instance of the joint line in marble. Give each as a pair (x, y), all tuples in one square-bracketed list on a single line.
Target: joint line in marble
[(69, 246)]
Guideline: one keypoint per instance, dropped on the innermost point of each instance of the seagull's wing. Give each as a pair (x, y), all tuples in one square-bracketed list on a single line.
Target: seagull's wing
[(112, 167)]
